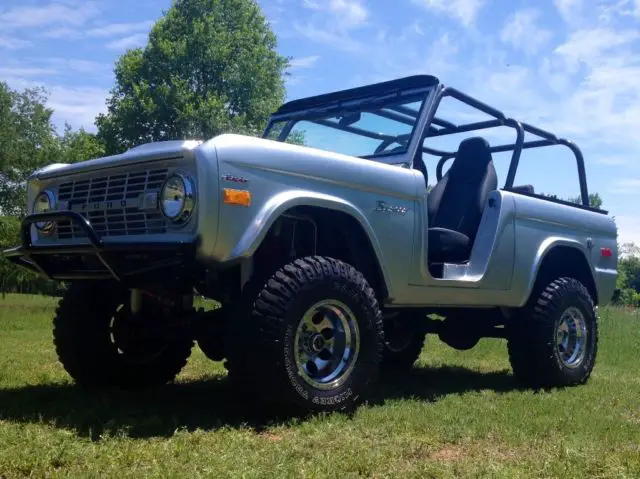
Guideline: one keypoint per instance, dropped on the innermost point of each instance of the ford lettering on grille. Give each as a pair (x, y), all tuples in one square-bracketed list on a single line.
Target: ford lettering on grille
[(144, 201), (116, 205)]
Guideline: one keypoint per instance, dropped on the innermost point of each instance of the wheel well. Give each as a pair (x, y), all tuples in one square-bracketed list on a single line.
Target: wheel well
[(565, 261), (310, 230)]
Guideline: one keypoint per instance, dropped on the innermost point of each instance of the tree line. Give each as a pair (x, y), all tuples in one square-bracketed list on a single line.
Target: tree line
[(209, 67)]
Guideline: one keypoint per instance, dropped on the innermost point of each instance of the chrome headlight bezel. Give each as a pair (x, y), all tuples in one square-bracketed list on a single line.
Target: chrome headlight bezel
[(44, 227), (181, 214)]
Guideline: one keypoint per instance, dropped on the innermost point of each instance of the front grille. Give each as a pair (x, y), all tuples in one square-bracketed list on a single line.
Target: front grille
[(120, 204)]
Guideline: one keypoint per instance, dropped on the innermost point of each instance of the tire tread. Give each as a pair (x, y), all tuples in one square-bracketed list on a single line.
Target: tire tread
[(256, 355), (530, 345)]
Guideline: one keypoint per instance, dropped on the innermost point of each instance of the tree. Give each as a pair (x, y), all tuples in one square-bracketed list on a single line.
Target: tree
[(75, 146), (210, 66), (594, 200), (27, 141)]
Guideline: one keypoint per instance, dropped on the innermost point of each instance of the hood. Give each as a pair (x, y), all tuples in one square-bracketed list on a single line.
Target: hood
[(146, 152)]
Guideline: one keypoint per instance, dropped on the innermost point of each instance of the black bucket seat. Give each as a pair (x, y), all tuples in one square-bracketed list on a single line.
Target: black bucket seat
[(456, 202)]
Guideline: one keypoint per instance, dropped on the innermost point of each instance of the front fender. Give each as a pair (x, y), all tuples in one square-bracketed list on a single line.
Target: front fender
[(277, 205)]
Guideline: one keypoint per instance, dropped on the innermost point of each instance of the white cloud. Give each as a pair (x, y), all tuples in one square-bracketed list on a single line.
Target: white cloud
[(350, 13), (80, 66), (117, 29), (304, 62), (437, 59), (25, 72), (464, 11), (65, 33), (406, 53), (590, 45), (522, 32), (104, 31), (627, 186), (132, 41), (569, 9), (54, 13), (338, 39), (13, 43), (334, 22), (77, 106), (556, 78), (628, 229), (615, 160), (415, 28), (294, 80)]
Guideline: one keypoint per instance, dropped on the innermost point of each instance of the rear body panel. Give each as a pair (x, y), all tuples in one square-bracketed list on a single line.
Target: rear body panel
[(515, 235)]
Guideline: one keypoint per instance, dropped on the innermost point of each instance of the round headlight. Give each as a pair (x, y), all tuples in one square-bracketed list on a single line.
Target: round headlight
[(176, 198), (43, 204)]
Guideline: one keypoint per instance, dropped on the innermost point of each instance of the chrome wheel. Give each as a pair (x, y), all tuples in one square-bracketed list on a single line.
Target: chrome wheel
[(571, 337), (326, 344)]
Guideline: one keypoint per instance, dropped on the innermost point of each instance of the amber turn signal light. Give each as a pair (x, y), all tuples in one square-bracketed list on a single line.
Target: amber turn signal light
[(236, 197)]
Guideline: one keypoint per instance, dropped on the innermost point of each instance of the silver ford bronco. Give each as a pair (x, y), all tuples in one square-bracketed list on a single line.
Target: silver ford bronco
[(328, 251)]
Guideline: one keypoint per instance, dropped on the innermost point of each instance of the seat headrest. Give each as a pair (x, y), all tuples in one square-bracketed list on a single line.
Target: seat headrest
[(473, 154)]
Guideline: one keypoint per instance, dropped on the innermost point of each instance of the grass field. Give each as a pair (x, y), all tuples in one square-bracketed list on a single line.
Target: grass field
[(456, 414)]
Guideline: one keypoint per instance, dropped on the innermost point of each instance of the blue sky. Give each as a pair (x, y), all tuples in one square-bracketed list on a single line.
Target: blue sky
[(570, 66)]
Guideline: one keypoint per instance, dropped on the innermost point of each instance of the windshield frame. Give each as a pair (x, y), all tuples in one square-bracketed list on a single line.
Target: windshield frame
[(369, 103)]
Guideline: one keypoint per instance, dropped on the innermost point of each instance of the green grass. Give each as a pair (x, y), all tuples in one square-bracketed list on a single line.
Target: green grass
[(456, 414)]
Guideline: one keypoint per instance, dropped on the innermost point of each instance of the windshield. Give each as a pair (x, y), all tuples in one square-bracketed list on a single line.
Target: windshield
[(371, 127)]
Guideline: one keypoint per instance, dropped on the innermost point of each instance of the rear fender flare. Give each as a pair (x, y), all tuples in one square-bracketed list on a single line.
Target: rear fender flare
[(546, 247)]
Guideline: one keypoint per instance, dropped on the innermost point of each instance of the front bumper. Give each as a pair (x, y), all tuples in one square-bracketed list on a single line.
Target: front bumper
[(96, 260)]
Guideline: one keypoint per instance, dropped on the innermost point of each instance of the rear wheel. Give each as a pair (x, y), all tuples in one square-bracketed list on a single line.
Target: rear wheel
[(553, 342), (313, 337), (101, 344)]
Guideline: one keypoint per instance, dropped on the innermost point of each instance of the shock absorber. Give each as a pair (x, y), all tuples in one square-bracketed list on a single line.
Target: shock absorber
[(136, 300)]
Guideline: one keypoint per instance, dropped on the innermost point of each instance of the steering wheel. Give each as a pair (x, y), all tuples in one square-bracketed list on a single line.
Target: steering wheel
[(401, 139)]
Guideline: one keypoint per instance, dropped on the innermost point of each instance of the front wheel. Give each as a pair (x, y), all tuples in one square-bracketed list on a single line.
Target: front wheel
[(553, 342), (101, 344), (313, 337)]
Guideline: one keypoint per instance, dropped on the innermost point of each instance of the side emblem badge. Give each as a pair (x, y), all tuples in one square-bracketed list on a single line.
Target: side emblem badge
[(383, 207), (235, 179)]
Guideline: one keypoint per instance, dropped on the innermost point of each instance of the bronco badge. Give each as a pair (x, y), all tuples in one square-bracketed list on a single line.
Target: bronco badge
[(390, 209)]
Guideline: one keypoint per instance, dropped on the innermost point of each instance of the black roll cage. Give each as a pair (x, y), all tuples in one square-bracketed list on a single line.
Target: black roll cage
[(545, 138), (436, 126)]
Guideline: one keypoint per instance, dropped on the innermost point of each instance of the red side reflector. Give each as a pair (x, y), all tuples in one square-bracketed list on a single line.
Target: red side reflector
[(606, 252)]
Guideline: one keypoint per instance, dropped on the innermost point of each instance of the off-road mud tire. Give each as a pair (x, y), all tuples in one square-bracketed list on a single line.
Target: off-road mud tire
[(532, 342), (83, 342), (260, 354)]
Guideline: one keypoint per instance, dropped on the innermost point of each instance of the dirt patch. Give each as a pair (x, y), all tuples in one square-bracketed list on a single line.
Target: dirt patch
[(271, 436), (633, 417), (447, 454)]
